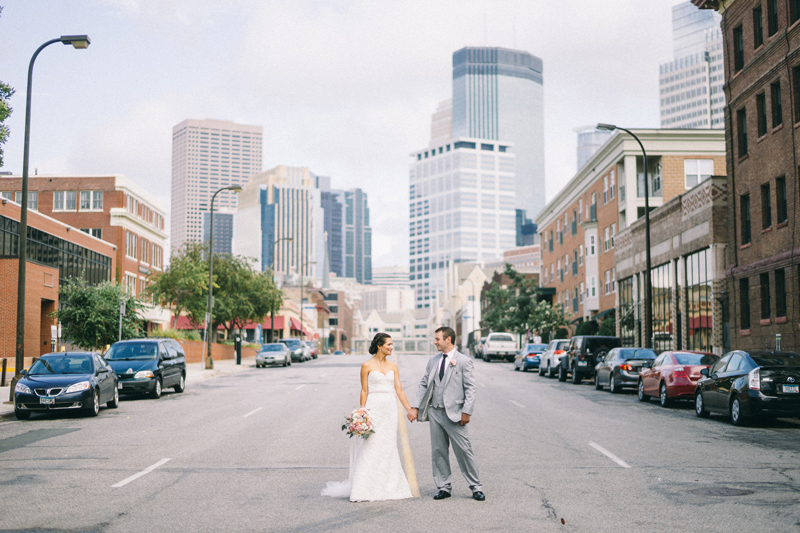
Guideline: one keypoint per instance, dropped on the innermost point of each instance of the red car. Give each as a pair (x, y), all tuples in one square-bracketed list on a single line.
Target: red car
[(674, 376)]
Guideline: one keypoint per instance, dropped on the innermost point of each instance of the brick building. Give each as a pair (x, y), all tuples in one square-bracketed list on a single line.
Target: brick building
[(56, 252), (111, 208), (762, 87), (578, 226)]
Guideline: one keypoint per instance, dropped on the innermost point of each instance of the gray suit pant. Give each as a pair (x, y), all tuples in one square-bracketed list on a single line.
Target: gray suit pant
[(444, 432)]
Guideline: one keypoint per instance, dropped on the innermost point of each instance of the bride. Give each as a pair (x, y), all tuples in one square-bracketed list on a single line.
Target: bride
[(375, 469)]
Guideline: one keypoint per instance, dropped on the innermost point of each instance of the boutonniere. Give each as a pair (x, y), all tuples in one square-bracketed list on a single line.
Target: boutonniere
[(452, 363)]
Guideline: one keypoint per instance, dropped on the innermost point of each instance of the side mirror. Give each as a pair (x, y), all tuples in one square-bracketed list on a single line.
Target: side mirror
[(23, 372), (704, 372), (102, 370)]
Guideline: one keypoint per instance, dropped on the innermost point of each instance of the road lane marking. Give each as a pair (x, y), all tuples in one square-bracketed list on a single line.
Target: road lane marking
[(254, 411), (517, 404), (140, 474), (610, 455), (300, 387), (323, 375)]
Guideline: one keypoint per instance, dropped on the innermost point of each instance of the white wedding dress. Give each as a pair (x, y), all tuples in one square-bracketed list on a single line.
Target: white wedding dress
[(375, 469)]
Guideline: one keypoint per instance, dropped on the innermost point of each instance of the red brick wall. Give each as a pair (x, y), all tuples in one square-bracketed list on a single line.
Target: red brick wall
[(194, 351)]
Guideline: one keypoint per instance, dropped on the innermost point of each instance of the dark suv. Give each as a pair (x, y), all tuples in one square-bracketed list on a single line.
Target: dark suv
[(148, 366), (583, 353)]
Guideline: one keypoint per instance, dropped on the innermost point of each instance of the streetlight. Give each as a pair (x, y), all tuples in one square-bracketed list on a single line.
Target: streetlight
[(272, 268), (79, 42), (648, 289), (236, 189), (301, 294)]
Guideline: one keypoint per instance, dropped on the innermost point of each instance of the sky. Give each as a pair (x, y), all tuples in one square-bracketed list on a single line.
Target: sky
[(346, 88)]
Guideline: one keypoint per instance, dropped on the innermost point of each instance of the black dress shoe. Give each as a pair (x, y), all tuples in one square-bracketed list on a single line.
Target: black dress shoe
[(441, 495), (478, 495)]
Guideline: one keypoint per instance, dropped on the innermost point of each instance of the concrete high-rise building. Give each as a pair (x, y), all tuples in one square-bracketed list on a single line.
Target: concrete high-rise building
[(349, 233), (333, 207), (462, 208), (223, 230), (498, 95), (590, 139), (206, 156), (691, 85)]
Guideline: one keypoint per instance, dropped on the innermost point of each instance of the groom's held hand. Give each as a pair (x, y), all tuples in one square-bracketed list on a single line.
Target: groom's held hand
[(464, 419), (412, 414)]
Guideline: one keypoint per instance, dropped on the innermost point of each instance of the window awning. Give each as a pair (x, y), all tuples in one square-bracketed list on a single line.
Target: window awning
[(605, 313), (294, 324)]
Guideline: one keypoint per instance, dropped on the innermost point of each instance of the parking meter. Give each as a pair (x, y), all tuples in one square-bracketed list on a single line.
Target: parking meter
[(237, 344)]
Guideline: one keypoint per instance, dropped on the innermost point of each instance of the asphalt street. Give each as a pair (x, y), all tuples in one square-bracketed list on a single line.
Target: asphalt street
[(251, 451)]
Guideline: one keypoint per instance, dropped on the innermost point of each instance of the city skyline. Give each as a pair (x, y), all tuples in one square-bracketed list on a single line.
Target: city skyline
[(298, 86)]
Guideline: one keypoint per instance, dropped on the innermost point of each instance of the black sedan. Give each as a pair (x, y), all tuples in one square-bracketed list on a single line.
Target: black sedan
[(744, 385), (63, 381), (621, 368)]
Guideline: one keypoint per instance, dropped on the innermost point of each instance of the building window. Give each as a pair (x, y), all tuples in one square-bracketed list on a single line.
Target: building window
[(594, 286), (761, 109), (613, 280), (758, 27), (605, 190), (580, 255), (661, 284), (777, 106), (131, 244), (613, 233), (583, 291), (745, 209), (580, 210), (698, 300), (605, 239), (766, 306), (772, 17), (741, 122), (744, 303), (130, 284), (738, 49), (608, 281), (796, 92), (780, 196), (794, 11), (590, 250), (780, 293), (64, 200), (766, 207)]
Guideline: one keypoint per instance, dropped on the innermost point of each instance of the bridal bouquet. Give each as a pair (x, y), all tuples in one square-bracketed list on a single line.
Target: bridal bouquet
[(359, 424)]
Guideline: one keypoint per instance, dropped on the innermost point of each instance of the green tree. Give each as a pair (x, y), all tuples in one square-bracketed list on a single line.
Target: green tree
[(587, 327), (609, 327), (6, 91), (496, 316), (242, 295), (89, 314), (183, 285), (522, 302)]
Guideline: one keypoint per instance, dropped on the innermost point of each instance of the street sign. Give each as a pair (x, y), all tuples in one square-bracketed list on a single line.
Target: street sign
[(122, 308), (53, 333)]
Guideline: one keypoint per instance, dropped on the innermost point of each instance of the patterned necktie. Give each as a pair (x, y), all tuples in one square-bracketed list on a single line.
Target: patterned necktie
[(441, 366)]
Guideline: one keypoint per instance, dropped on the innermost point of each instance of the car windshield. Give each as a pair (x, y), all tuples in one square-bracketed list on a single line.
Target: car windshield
[(502, 338), (62, 364), (696, 358), (640, 353), (272, 348), (132, 350), (776, 358), (535, 347), (292, 343)]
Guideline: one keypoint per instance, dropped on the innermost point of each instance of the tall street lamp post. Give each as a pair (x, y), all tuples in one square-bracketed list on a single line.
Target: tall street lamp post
[(272, 268), (648, 288), (236, 189), (301, 295), (79, 42)]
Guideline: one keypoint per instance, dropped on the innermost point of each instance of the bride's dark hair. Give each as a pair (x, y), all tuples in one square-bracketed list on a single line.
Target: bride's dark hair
[(378, 341)]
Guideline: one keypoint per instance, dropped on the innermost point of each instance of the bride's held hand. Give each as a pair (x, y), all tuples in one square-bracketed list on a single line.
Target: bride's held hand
[(412, 414)]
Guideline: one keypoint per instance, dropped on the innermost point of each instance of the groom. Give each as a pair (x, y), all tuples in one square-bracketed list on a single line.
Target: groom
[(449, 374)]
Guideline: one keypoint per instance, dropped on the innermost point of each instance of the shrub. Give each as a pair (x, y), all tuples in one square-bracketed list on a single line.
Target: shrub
[(588, 327), (609, 327)]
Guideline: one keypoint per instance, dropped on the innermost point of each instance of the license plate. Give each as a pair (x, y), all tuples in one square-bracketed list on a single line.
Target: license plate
[(47, 400), (792, 389), (581, 363), (119, 386)]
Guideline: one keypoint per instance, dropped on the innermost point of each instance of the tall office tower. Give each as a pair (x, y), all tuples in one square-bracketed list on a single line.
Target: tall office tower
[(349, 233), (206, 156), (691, 84), (333, 206), (461, 208), (590, 139), (442, 123), (275, 206), (497, 94)]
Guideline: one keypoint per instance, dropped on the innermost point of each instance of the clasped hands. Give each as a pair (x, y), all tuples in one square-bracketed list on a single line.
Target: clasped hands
[(413, 412)]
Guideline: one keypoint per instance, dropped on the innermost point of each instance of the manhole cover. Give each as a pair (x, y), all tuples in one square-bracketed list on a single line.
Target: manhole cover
[(720, 491)]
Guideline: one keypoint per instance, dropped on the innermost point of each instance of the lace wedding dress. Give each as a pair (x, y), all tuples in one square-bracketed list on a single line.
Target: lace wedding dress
[(375, 469)]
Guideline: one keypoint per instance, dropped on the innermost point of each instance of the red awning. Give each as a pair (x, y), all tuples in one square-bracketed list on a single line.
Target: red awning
[(184, 323), (267, 324), (294, 323)]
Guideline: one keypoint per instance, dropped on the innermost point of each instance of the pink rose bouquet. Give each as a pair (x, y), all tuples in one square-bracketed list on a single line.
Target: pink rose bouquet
[(359, 424)]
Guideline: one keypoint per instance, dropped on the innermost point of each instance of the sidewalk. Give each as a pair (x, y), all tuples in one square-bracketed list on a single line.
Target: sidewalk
[(194, 372)]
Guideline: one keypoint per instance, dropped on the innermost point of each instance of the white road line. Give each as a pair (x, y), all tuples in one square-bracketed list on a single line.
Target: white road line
[(254, 411), (300, 387), (610, 455), (517, 404), (323, 375), (140, 474)]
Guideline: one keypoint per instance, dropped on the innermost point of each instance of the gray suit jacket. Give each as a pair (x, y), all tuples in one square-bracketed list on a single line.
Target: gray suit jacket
[(459, 385)]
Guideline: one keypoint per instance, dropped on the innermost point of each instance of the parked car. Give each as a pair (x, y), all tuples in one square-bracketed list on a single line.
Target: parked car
[(66, 380), (479, 348), (275, 353), (148, 366), (499, 346), (298, 350), (312, 349), (529, 357), (674, 376), (748, 384), (621, 368), (338, 352), (550, 359), (583, 354)]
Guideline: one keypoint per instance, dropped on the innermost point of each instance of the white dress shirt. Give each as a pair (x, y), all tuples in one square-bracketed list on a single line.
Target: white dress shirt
[(445, 360)]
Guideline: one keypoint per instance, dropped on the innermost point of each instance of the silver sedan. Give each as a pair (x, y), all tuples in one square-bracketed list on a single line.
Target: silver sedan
[(275, 353)]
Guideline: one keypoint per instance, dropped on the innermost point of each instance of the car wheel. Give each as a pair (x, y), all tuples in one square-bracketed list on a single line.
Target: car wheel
[(662, 395), (523, 367), (94, 407), (700, 405), (576, 378), (541, 369), (113, 404), (613, 388), (21, 415), (562, 373), (285, 362), (550, 372), (642, 396), (737, 417), (181, 386), (156, 393), (597, 384)]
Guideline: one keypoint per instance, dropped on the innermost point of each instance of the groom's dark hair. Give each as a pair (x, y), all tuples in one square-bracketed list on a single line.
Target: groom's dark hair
[(447, 332)]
